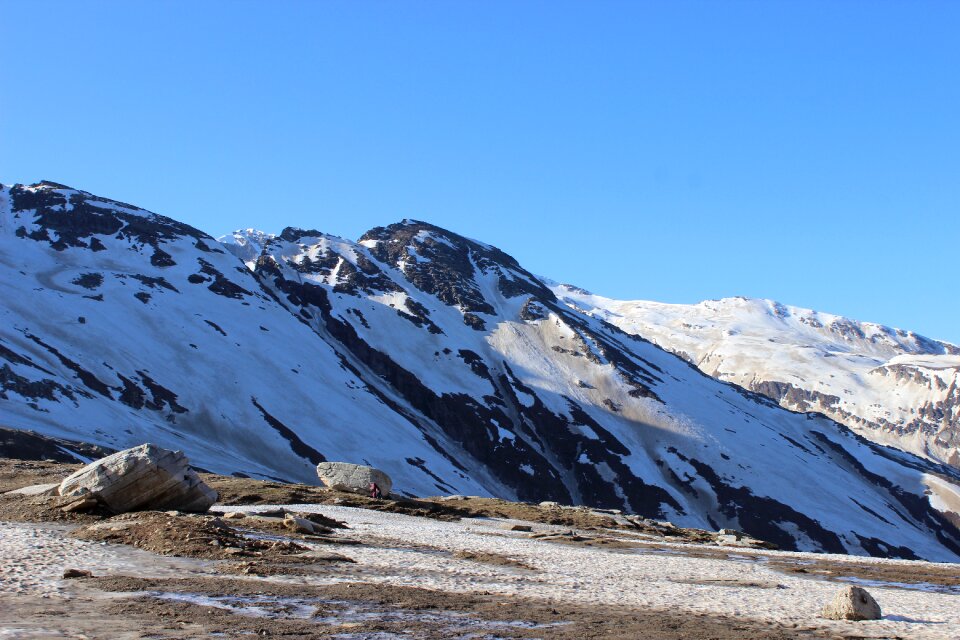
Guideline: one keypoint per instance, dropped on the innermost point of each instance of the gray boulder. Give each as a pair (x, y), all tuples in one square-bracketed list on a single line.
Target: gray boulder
[(300, 524), (144, 477), (852, 603), (356, 478)]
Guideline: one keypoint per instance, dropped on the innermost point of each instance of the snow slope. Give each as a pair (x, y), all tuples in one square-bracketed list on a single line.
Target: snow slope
[(564, 406), (435, 357), (161, 335), (891, 386)]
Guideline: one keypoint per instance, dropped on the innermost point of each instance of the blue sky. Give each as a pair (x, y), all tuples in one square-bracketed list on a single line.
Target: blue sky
[(803, 151)]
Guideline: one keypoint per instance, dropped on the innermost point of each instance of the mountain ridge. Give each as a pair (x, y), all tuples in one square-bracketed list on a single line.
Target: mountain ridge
[(892, 386), (433, 356)]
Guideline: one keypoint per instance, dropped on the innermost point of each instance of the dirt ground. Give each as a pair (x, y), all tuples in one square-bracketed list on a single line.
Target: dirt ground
[(244, 491), (16, 473), (218, 607), (592, 528), (239, 601)]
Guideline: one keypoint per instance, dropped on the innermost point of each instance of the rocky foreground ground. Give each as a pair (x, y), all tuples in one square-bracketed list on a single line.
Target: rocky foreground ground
[(298, 561)]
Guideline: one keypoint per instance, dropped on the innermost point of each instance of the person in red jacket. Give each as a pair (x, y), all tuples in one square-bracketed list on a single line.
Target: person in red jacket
[(375, 492)]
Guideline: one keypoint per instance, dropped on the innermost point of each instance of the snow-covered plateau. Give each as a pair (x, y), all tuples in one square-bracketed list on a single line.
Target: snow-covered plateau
[(434, 357)]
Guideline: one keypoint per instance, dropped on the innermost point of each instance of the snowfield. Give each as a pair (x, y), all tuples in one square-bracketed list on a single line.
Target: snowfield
[(35, 557)]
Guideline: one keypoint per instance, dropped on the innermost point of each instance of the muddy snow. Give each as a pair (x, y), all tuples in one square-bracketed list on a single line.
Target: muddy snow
[(669, 578), (474, 556)]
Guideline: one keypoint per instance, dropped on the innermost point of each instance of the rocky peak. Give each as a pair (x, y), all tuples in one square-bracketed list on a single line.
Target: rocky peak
[(294, 234), (50, 184), (451, 266), (69, 218)]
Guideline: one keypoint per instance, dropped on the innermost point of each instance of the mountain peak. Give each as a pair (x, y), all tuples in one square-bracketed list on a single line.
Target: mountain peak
[(70, 218), (50, 184), (452, 266), (293, 234)]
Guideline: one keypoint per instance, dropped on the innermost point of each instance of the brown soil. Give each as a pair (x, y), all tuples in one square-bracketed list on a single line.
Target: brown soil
[(15, 474), (581, 540), (578, 517), (359, 608), (275, 522), (311, 563), (913, 573), (492, 558), (246, 491), (251, 547), (42, 509), (886, 573), (195, 536)]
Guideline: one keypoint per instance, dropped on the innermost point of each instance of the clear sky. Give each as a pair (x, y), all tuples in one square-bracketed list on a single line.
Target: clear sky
[(807, 151)]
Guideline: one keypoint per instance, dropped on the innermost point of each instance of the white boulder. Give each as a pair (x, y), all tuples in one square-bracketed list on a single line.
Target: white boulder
[(355, 478), (852, 603), (144, 477), (298, 524)]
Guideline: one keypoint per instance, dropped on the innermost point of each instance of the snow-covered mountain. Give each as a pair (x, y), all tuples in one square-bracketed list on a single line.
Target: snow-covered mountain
[(435, 357), (121, 326), (889, 385)]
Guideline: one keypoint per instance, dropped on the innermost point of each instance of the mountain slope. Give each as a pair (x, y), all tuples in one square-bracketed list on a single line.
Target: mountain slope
[(120, 326), (890, 385), (562, 405), (435, 357)]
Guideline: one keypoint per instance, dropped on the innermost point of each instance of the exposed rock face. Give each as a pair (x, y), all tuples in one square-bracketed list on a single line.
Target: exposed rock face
[(345, 476), (852, 603), (144, 477)]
